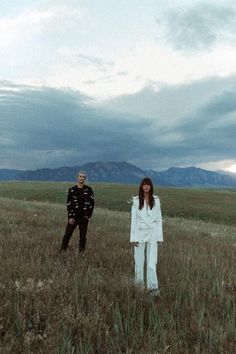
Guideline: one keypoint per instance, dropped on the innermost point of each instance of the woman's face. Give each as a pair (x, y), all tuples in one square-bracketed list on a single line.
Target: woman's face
[(146, 188)]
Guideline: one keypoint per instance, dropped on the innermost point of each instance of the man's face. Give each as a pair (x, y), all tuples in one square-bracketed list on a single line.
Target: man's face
[(81, 178), (146, 188)]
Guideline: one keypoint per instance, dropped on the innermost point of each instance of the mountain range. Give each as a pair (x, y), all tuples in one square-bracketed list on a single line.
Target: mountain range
[(124, 172)]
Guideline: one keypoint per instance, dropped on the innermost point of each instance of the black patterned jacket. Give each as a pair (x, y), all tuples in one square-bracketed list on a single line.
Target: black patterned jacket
[(73, 203)]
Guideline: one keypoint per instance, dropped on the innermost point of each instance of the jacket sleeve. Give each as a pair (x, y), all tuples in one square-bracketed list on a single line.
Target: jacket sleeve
[(133, 227), (159, 223), (70, 206), (91, 203)]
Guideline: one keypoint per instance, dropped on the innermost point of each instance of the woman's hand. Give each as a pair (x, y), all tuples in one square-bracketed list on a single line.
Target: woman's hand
[(135, 244)]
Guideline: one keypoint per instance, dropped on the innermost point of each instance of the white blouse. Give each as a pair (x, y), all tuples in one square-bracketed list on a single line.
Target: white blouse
[(146, 224)]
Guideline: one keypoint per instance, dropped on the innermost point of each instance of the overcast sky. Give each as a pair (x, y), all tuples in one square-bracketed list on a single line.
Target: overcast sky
[(152, 82)]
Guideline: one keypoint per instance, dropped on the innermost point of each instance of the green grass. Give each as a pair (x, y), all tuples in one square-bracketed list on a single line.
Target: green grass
[(60, 303), (52, 303), (216, 205)]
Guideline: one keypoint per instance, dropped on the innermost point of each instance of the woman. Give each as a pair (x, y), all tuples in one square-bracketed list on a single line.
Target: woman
[(146, 232)]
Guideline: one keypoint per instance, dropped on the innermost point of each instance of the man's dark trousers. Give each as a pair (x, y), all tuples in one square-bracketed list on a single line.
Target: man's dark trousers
[(82, 222)]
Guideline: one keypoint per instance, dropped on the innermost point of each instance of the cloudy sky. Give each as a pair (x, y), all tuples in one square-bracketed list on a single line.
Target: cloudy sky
[(152, 82)]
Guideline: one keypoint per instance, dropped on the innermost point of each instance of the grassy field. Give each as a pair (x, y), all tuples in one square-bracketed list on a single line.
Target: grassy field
[(216, 205), (53, 303)]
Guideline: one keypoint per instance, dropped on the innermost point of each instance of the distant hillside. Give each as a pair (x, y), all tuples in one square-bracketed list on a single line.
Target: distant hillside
[(124, 172), (192, 176)]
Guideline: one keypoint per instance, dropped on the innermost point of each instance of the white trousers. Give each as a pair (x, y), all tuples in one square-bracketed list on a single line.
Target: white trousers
[(151, 261)]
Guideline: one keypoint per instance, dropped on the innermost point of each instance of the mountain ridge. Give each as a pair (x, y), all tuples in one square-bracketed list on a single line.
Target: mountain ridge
[(125, 172)]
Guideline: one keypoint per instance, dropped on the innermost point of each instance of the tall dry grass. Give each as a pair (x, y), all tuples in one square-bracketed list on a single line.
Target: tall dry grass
[(53, 303)]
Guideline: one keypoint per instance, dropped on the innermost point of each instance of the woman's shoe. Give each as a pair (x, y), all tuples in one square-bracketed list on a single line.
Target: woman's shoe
[(155, 292)]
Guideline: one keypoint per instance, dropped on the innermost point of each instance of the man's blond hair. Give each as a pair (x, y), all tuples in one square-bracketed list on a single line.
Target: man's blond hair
[(81, 173)]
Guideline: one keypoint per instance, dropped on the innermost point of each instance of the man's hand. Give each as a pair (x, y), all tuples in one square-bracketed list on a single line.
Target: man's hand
[(71, 221), (135, 244)]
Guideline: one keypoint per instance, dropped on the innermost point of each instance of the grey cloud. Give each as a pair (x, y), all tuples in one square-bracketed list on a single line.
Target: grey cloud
[(49, 128), (171, 102), (62, 122), (218, 111), (194, 123), (198, 26), (90, 82), (97, 62), (122, 73), (208, 134), (222, 104)]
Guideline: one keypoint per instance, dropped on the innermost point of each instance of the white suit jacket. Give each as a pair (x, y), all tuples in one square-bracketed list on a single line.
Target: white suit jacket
[(146, 224)]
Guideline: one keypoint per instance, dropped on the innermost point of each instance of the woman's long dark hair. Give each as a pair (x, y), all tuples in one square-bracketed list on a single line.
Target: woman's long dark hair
[(151, 201)]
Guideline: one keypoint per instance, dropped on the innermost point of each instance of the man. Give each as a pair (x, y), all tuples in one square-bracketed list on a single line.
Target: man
[(80, 205)]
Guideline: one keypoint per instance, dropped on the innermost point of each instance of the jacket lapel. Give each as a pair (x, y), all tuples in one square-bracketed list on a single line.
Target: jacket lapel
[(147, 219)]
